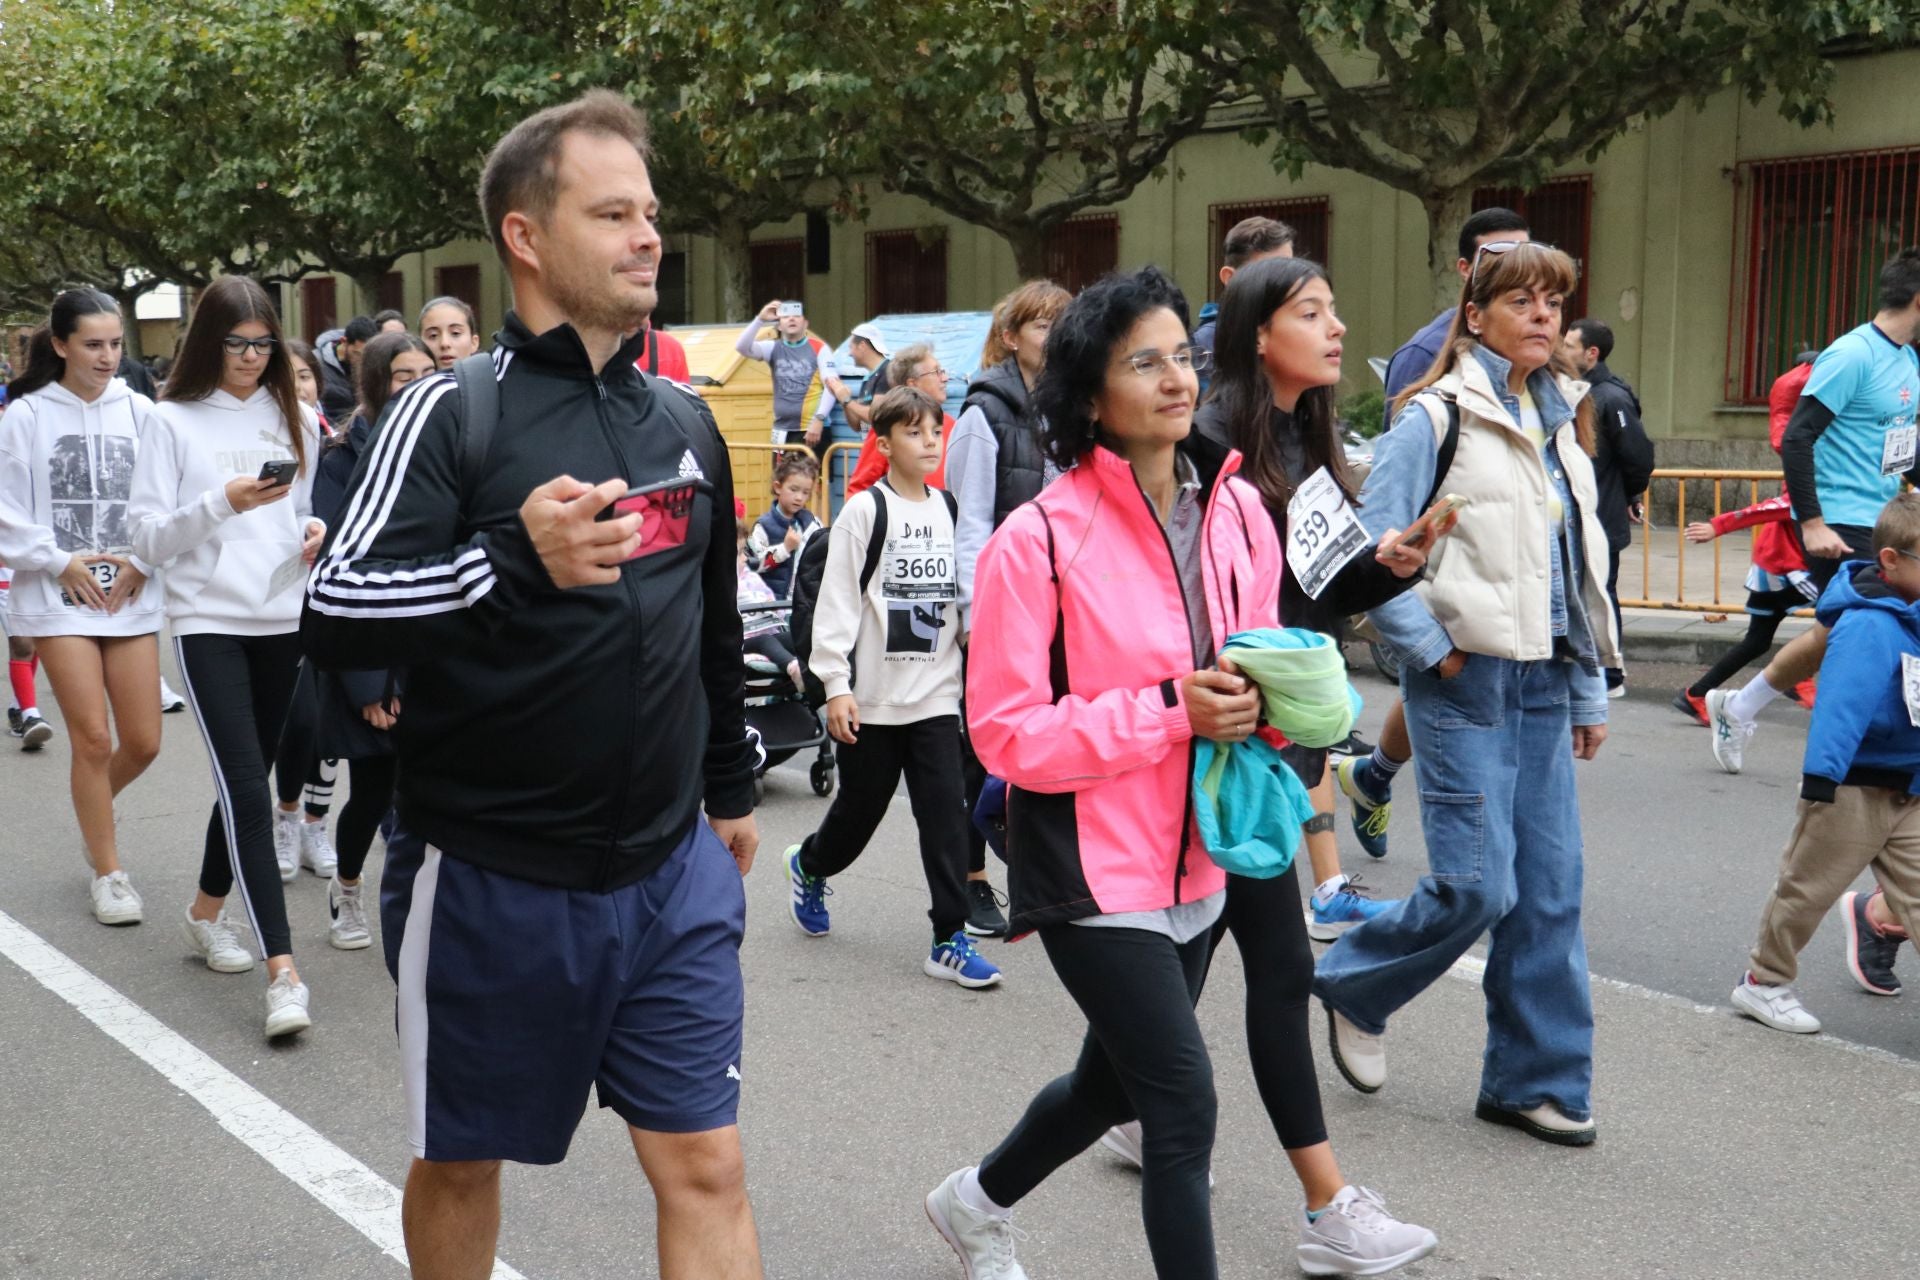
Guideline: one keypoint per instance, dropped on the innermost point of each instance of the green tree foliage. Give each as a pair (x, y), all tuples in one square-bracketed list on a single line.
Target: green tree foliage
[(1436, 97)]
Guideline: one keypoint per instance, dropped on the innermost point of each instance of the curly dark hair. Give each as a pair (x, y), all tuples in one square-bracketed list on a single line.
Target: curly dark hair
[(1081, 346)]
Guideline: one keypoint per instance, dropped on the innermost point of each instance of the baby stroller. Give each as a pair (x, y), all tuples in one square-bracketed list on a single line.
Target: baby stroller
[(780, 715)]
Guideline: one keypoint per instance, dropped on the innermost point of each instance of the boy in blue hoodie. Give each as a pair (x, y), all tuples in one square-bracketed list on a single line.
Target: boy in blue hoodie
[(1860, 793)]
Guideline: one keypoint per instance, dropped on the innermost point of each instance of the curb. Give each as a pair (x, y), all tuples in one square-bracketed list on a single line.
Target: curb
[(1653, 635)]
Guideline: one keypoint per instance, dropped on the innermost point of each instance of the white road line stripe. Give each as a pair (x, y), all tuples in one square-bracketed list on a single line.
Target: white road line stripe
[(1472, 968), (349, 1189)]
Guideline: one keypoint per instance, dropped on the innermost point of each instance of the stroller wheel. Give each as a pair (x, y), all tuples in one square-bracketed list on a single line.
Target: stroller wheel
[(820, 774)]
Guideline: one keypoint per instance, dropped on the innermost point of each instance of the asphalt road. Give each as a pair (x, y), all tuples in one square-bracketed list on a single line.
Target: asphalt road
[(1727, 1150)]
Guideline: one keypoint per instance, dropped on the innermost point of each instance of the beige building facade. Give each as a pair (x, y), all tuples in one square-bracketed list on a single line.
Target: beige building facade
[(1715, 242)]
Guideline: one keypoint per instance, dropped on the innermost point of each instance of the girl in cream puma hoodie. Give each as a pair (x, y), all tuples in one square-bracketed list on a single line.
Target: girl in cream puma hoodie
[(234, 550)]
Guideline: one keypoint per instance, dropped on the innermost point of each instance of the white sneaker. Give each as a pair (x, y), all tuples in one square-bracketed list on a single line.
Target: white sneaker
[(1776, 1007), (984, 1242), (218, 943), (349, 931), (286, 842), (316, 849), (169, 700), (1356, 1236), (1730, 736), (286, 1006), (1361, 1058), (1124, 1141), (114, 900)]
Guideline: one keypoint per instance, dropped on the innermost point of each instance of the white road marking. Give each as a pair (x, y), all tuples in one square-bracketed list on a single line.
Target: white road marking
[(1472, 968), (349, 1189)]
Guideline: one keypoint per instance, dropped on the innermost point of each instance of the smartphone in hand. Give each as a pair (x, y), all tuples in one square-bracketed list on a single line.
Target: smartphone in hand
[(665, 510), (281, 472), (1436, 523)]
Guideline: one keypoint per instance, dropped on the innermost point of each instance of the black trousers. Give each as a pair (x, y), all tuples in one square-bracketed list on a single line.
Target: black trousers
[(240, 688), (1615, 676), (297, 766), (1268, 925), (928, 753), (369, 797), (1142, 1056)]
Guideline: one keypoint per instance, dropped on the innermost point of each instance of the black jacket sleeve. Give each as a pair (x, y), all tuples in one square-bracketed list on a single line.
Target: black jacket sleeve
[(1633, 451), (1810, 418), (395, 583), (731, 754), (1363, 583)]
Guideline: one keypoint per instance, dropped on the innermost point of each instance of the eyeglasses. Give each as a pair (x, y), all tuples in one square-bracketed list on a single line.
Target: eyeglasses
[(1908, 554), (935, 372), (237, 345), (1493, 249), (1149, 366)]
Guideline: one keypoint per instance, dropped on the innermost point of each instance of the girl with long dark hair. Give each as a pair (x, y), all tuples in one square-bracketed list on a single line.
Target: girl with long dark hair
[(222, 500), (68, 444)]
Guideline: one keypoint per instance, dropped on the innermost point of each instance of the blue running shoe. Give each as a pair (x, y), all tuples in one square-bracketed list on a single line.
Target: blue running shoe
[(957, 961), (1370, 812), (1347, 908), (809, 901)]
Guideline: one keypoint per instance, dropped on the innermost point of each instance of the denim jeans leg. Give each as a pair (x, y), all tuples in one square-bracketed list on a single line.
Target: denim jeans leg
[(1465, 757), (1539, 1003)]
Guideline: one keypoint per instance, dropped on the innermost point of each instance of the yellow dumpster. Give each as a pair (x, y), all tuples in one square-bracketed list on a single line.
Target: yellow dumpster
[(740, 393)]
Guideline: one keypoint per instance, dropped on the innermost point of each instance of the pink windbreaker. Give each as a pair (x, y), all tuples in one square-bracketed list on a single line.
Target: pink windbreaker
[(1078, 648)]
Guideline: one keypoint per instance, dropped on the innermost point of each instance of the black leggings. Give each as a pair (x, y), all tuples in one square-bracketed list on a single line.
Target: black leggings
[(928, 753), (297, 765), (1268, 926), (1143, 1056), (369, 796), (775, 646), (240, 688), (1766, 611)]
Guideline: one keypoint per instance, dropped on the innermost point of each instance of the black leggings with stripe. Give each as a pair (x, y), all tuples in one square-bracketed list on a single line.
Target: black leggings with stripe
[(240, 688)]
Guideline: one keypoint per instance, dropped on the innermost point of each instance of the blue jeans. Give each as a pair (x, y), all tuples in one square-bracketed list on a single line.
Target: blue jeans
[(1493, 753)]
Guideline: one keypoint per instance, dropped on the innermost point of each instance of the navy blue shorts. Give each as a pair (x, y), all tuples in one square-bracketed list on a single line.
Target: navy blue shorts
[(515, 997)]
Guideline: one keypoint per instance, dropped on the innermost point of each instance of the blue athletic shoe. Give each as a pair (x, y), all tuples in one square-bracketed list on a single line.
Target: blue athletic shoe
[(1344, 910), (809, 901), (1370, 810), (956, 961)]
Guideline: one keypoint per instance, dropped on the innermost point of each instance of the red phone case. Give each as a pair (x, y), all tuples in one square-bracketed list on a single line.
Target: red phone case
[(665, 514)]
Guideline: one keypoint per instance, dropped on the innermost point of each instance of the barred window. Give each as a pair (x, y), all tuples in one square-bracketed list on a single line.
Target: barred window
[(1311, 218), (1082, 249), (1812, 235)]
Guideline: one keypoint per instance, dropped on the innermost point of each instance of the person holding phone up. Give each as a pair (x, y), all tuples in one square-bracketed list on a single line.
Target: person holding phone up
[(222, 501), (1503, 648)]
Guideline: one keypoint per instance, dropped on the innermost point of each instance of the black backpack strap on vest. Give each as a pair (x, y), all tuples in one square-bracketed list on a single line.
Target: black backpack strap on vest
[(876, 540), (478, 386), (1448, 444)]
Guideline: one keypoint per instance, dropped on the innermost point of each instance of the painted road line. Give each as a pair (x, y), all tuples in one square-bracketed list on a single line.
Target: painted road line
[(349, 1189)]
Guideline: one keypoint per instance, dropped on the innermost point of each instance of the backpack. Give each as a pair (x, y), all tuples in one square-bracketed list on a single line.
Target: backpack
[(478, 387), (1448, 444), (811, 565)]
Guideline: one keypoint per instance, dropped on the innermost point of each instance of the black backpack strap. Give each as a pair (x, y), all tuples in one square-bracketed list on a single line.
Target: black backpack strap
[(680, 406), (1448, 446), (876, 539), (953, 507), (653, 352), (1057, 651), (478, 386)]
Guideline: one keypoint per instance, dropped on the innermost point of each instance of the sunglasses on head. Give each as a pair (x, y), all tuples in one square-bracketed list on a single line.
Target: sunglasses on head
[(1493, 249)]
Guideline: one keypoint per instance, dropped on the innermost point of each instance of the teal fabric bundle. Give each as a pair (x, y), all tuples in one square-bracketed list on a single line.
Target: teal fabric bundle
[(1249, 803)]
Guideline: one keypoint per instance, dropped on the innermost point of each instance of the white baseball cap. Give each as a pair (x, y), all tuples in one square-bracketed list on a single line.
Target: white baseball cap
[(872, 334)]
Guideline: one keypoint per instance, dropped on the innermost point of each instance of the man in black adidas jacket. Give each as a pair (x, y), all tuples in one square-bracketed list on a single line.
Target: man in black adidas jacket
[(557, 915)]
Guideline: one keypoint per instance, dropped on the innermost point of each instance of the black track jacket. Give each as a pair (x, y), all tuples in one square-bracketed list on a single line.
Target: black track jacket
[(564, 737)]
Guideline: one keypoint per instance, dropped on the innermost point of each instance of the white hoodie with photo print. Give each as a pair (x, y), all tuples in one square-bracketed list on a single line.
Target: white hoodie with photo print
[(66, 480), (227, 572)]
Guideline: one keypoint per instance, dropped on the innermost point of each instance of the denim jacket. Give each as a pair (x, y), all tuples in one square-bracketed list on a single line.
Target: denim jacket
[(1482, 562)]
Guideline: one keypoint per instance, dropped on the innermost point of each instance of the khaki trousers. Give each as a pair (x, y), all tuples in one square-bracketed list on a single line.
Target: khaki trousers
[(1831, 845)]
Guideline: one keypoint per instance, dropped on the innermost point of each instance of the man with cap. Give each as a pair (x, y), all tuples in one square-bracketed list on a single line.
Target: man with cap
[(869, 351)]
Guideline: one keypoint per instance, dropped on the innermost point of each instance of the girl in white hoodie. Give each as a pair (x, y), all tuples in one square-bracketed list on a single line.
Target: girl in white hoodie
[(67, 448), (235, 546)]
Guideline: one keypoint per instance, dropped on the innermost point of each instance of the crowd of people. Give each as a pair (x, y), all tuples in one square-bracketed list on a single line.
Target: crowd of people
[(1088, 622)]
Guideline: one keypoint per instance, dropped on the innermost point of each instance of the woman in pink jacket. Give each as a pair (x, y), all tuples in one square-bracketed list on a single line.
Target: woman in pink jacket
[(1100, 607)]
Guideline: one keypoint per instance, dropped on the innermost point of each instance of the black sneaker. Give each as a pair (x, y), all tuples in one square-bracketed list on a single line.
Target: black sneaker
[(984, 917), (35, 732), (1869, 953), (14, 725)]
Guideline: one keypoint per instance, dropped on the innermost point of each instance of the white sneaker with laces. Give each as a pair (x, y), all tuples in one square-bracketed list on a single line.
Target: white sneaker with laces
[(316, 849), (218, 943), (1730, 736), (286, 1006), (1361, 1057), (984, 1242), (349, 931), (1776, 1007), (286, 842), (1356, 1236), (114, 900)]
